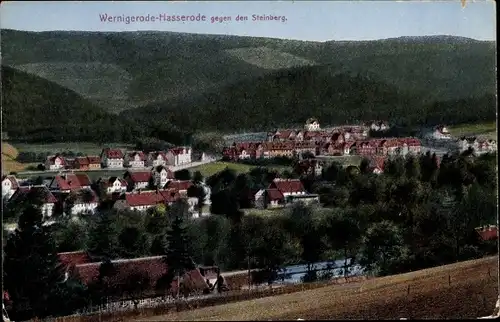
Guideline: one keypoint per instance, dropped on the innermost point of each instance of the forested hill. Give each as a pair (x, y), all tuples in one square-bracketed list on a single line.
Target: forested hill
[(36, 109), (288, 97), (123, 70)]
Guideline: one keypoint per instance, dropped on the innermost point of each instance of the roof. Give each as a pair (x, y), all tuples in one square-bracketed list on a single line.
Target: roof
[(160, 168), (74, 258), (154, 155), (274, 194), (13, 180), (146, 198), (138, 176), (487, 232), (112, 180), (86, 196), (151, 267), (179, 184), (112, 153), (72, 181), (23, 192), (52, 158), (132, 154), (287, 185)]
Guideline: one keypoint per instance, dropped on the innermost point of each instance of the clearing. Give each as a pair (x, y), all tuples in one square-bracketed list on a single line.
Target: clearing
[(210, 169), (487, 130), (462, 290), (9, 163)]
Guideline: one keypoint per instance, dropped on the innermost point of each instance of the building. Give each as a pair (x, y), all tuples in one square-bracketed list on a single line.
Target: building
[(477, 145), (84, 201), (179, 156), (134, 159), (68, 182), (441, 133), (41, 193), (309, 166), (112, 158), (113, 185), (180, 186), (9, 186), (138, 180), (144, 200), (87, 163), (55, 162), (161, 175), (156, 158), (378, 126), (487, 233), (312, 124), (288, 187)]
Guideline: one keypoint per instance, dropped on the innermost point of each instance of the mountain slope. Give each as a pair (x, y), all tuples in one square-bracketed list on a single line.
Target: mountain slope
[(131, 69), (36, 109)]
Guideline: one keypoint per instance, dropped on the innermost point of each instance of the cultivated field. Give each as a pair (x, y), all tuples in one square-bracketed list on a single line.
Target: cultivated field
[(87, 148), (486, 130), (9, 163), (462, 290), (214, 167)]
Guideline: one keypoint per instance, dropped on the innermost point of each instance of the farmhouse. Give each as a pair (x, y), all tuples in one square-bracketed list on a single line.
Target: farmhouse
[(40, 193), (312, 124), (55, 162), (66, 183), (143, 200), (134, 159), (309, 166), (113, 185), (180, 186), (179, 155), (441, 133), (161, 175), (112, 158), (9, 186)]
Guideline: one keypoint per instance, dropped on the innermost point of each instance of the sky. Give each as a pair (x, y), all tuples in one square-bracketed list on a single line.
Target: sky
[(305, 20)]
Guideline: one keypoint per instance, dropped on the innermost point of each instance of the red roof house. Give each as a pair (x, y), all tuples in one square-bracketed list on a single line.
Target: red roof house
[(179, 185), (487, 233), (288, 186), (137, 179), (70, 182)]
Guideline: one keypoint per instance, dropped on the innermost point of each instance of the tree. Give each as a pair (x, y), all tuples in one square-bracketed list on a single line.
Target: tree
[(71, 237), (103, 236), (133, 242), (137, 284), (197, 177), (183, 174), (33, 275), (177, 253)]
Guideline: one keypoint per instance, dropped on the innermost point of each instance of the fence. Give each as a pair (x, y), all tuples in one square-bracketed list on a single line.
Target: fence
[(160, 306)]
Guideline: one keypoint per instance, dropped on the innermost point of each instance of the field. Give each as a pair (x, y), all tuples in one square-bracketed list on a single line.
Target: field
[(345, 160), (210, 169), (486, 130), (9, 163), (461, 290), (93, 175), (87, 148)]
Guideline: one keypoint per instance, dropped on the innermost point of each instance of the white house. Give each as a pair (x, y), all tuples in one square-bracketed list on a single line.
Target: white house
[(134, 159), (55, 162), (179, 155), (157, 158), (312, 124), (115, 185), (161, 175), (441, 133), (112, 158), (9, 186), (288, 187), (378, 126), (84, 202), (48, 200)]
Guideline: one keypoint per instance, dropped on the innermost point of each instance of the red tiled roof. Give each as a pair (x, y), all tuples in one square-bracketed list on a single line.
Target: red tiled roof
[(82, 160), (488, 233), (154, 155), (113, 153), (69, 259), (177, 150), (138, 176), (23, 192), (132, 154), (94, 159), (169, 195), (81, 196), (126, 269), (145, 198), (112, 180), (71, 181), (13, 180), (287, 185), (274, 194), (179, 184)]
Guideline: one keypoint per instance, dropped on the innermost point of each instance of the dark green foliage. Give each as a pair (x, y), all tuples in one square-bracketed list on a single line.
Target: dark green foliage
[(103, 241)]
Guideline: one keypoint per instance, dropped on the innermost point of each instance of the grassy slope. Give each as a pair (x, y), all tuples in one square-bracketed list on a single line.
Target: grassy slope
[(487, 129), (212, 168), (137, 68), (472, 293), (88, 148)]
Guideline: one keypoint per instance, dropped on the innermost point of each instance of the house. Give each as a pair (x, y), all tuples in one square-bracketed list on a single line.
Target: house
[(312, 124), (376, 164), (83, 201), (9, 186), (179, 155), (112, 158), (134, 159), (114, 185), (378, 126), (441, 133), (309, 166), (68, 182), (156, 158), (487, 233), (45, 198), (179, 185), (138, 179), (288, 187), (161, 175), (151, 270), (55, 162), (143, 200), (273, 198), (92, 162)]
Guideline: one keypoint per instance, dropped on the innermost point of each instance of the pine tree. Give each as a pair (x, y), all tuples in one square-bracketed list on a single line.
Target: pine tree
[(177, 252), (103, 238), (33, 274)]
